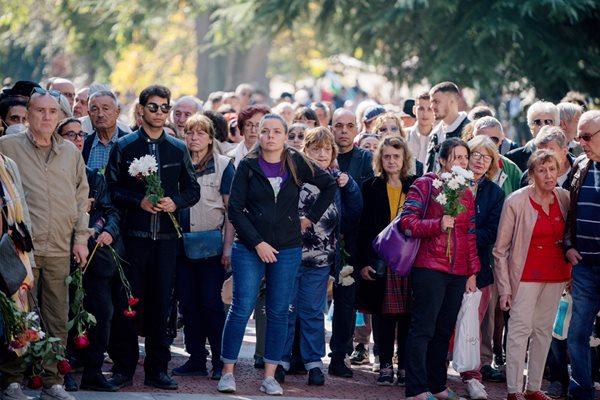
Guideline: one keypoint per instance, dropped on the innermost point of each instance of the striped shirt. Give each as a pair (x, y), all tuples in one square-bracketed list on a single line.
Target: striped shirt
[(588, 223)]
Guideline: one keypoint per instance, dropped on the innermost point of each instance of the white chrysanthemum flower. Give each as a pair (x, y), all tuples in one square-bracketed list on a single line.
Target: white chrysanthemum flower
[(462, 172), (149, 165), (453, 184), (446, 175), (347, 281), (441, 199), (347, 270), (134, 168), (437, 183), (461, 180)]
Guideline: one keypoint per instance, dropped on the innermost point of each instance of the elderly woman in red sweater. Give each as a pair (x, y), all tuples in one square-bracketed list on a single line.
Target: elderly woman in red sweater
[(531, 271)]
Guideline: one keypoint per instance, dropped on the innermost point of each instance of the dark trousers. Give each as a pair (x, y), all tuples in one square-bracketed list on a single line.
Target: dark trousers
[(557, 362), (392, 328), (97, 283), (344, 316), (151, 273), (198, 290), (437, 297)]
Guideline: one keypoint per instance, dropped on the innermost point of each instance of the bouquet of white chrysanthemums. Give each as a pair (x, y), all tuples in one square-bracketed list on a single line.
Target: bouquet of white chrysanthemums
[(346, 278), (145, 169), (454, 185)]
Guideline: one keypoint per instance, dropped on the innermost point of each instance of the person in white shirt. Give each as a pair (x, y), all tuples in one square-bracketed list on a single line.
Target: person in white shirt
[(418, 134)]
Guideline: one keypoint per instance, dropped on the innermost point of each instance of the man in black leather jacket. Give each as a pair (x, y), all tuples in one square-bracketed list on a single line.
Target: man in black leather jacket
[(150, 237)]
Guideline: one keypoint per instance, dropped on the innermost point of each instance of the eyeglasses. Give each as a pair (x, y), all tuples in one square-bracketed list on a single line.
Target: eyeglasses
[(250, 126), (542, 122), (586, 137), (478, 156), (39, 90), (153, 107), (292, 136), (73, 135), (393, 129)]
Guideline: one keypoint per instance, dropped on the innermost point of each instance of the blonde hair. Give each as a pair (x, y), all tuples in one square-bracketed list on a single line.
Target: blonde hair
[(202, 122), (320, 136), (380, 121), (486, 143), (397, 143)]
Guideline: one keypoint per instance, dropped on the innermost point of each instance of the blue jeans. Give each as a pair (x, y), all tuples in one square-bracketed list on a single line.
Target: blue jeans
[(308, 296), (248, 271), (586, 304)]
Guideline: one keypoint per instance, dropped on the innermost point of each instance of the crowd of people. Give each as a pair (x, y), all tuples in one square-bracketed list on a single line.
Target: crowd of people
[(280, 204)]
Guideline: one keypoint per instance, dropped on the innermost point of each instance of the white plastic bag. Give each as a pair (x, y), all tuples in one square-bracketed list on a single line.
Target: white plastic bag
[(466, 355), (563, 317)]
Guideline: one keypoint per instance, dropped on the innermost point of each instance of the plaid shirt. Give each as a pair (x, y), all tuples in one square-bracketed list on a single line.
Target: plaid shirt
[(398, 296), (99, 153)]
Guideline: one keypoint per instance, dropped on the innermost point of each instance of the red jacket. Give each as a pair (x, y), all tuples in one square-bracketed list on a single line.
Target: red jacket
[(432, 251)]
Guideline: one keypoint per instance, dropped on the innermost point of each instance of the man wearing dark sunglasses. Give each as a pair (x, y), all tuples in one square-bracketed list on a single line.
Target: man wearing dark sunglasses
[(539, 114), (582, 244), (149, 236), (53, 176)]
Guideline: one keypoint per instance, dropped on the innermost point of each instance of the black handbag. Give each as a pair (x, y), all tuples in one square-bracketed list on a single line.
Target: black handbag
[(203, 244), (12, 269)]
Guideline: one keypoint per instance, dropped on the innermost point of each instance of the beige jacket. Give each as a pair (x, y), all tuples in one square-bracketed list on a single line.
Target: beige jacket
[(56, 192), (514, 235)]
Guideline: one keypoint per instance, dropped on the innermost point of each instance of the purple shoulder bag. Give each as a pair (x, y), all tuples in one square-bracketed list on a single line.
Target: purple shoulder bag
[(397, 250)]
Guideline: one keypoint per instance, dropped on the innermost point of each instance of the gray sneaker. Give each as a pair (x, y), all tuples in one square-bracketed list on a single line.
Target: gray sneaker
[(13, 392), (226, 383), (56, 392), (271, 386)]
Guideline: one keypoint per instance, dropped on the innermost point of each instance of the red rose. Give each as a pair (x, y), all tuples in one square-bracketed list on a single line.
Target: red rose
[(129, 313), (63, 367), (132, 301), (35, 382), (81, 341)]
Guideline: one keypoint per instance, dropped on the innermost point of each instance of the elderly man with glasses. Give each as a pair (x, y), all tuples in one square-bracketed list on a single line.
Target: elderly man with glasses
[(150, 237), (539, 114), (583, 252)]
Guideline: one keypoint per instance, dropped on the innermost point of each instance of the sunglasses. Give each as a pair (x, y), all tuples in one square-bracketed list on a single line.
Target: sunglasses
[(292, 136), (494, 139), (153, 108), (53, 93), (542, 122), (393, 129), (73, 135), (586, 137)]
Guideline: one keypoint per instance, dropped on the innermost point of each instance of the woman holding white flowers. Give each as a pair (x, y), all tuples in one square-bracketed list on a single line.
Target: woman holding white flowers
[(263, 207), (320, 254), (438, 279), (380, 290), (531, 271)]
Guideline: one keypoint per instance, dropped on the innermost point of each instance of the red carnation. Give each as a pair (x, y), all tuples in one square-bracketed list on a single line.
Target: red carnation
[(35, 382), (81, 341), (132, 301), (63, 367), (129, 313)]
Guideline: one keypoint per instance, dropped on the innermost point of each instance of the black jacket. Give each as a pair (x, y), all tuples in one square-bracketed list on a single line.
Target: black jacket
[(176, 173), (375, 217), (258, 216), (566, 184), (89, 141), (361, 165), (521, 155), (488, 207), (102, 207)]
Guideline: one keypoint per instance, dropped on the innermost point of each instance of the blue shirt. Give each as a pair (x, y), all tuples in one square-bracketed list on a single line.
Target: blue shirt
[(588, 223), (100, 151)]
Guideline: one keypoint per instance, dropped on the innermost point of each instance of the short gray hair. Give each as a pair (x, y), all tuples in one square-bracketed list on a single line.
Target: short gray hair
[(487, 122), (568, 111), (191, 99), (549, 134), (103, 93), (543, 107)]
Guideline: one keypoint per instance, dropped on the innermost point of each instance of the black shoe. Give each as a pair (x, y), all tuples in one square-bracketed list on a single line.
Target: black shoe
[(259, 363), (191, 368), (161, 381), (339, 368), (70, 383), (360, 355), (98, 383), (120, 380), (216, 374), (280, 374), (316, 377)]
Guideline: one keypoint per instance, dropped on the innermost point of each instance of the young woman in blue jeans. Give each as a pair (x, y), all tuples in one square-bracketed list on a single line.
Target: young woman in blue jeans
[(263, 208)]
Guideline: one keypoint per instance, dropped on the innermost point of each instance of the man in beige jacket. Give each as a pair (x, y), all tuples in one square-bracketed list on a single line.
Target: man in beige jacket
[(56, 190)]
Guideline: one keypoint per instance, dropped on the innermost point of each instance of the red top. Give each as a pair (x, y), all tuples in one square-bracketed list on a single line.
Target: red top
[(545, 258)]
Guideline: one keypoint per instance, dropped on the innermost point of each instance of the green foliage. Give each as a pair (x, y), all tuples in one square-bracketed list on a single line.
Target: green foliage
[(551, 45)]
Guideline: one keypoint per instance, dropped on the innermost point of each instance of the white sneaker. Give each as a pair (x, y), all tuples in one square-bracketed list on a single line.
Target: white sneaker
[(56, 392), (271, 387), (13, 392), (226, 383), (376, 365), (476, 390)]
